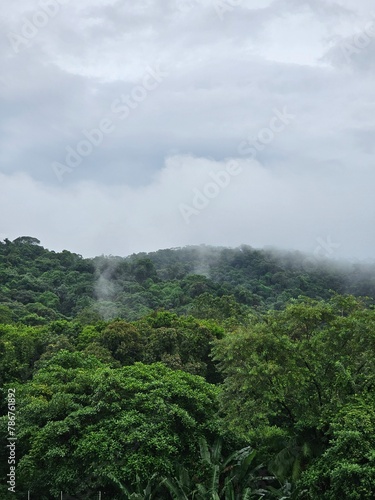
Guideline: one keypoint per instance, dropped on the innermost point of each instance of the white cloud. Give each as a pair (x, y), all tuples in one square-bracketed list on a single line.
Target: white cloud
[(258, 207)]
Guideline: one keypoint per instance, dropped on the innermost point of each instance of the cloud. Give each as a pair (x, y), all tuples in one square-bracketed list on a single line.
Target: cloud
[(260, 207), (225, 79)]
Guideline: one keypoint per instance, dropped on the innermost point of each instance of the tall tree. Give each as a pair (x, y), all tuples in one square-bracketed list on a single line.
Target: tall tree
[(290, 374)]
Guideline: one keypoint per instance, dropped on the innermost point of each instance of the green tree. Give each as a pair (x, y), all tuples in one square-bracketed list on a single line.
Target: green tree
[(123, 341), (20, 347), (84, 426), (180, 342), (347, 468), (6, 316), (290, 373), (236, 477)]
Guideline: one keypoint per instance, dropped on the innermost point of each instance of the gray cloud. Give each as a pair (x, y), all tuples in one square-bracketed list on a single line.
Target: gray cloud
[(225, 78)]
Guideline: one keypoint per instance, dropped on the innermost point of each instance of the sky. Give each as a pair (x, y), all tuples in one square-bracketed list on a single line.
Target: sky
[(129, 126)]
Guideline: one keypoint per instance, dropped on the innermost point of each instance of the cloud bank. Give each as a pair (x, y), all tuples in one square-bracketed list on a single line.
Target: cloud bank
[(117, 114), (190, 201)]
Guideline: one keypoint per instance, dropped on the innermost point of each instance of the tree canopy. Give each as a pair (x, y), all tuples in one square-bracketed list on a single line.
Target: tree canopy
[(193, 373)]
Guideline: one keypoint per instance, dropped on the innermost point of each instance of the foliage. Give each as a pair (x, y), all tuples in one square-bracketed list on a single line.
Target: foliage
[(38, 285), (84, 426), (178, 373), (289, 376), (347, 468), (233, 478)]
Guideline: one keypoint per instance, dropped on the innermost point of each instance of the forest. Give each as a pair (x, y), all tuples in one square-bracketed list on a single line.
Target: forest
[(187, 373)]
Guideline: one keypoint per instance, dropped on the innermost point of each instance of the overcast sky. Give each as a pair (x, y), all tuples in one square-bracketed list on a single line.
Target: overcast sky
[(130, 126)]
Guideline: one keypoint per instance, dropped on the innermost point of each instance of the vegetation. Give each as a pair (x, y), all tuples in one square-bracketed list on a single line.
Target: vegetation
[(194, 373)]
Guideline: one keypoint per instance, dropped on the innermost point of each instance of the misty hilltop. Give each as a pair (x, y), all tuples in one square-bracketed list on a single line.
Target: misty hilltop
[(38, 285)]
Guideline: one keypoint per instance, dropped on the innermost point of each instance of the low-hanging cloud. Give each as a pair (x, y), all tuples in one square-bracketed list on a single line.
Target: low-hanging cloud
[(259, 207)]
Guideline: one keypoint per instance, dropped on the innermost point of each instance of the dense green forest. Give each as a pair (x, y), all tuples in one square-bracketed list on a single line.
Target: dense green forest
[(189, 373)]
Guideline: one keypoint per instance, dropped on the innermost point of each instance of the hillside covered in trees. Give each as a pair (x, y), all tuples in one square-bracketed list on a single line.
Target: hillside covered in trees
[(190, 373), (38, 285)]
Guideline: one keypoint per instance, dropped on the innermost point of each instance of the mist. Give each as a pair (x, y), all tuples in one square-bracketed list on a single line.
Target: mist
[(283, 207)]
